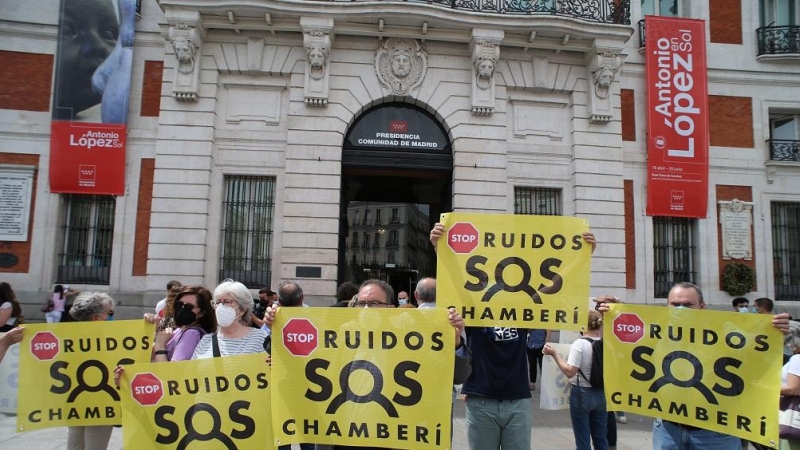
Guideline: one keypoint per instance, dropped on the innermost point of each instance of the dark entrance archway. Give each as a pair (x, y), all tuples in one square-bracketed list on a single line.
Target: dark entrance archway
[(397, 167)]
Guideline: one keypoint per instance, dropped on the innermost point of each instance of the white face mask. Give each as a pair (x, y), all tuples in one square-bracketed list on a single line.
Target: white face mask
[(402, 301), (743, 309), (225, 315)]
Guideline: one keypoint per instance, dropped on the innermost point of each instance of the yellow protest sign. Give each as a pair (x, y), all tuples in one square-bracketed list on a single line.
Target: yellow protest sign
[(363, 377), (201, 404), (67, 371), (715, 370), (515, 270)]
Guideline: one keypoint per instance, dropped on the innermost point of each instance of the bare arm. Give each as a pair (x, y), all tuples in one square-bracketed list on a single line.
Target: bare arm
[(568, 370), (7, 340), (792, 386)]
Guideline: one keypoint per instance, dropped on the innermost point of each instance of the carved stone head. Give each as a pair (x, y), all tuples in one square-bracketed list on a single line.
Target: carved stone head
[(400, 65)]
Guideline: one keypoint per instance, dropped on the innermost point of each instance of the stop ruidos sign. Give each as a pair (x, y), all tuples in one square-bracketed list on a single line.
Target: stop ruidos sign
[(463, 237), (146, 389), (628, 327), (300, 337), (44, 346)]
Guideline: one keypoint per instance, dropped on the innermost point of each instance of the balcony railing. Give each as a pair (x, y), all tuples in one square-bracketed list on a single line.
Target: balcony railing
[(780, 150), (778, 40), (603, 11)]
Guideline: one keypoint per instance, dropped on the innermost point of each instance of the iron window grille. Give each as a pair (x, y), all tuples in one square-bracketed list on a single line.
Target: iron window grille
[(247, 225), (88, 230), (674, 244), (537, 201), (786, 249)]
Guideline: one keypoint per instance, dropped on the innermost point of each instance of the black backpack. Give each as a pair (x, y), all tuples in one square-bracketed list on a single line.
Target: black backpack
[(596, 376)]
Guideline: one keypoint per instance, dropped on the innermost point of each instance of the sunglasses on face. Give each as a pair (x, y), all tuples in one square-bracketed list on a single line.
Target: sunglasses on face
[(180, 305)]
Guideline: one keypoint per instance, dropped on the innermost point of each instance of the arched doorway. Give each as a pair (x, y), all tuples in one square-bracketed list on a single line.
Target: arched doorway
[(397, 167)]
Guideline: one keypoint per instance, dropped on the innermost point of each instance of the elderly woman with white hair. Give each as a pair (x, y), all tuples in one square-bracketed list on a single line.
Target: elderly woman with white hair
[(233, 304), (90, 307)]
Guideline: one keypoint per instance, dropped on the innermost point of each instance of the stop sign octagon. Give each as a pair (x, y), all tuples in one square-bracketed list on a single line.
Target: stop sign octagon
[(628, 327), (300, 337), (146, 389), (44, 346), (463, 237)]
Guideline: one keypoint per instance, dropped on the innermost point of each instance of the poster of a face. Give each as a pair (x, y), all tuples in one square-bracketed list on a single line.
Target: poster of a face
[(93, 62)]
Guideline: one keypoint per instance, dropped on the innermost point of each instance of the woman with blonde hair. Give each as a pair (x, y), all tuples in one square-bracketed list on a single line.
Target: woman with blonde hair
[(587, 407)]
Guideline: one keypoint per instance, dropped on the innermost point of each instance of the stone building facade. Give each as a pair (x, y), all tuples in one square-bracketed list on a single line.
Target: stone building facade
[(240, 162)]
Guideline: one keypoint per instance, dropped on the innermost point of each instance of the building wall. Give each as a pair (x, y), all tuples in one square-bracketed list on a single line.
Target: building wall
[(251, 119)]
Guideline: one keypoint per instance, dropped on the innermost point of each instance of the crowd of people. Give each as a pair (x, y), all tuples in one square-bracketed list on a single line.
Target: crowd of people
[(496, 366)]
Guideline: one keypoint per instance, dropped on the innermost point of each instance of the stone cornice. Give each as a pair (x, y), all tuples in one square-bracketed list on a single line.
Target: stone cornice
[(401, 19)]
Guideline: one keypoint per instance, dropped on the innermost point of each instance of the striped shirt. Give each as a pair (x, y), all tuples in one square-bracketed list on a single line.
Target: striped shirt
[(252, 342)]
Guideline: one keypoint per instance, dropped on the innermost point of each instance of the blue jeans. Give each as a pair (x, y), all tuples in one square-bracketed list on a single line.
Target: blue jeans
[(492, 424), (670, 436), (587, 408)]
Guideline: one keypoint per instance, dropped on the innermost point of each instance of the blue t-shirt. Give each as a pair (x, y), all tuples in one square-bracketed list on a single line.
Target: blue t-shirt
[(499, 363), (536, 338)]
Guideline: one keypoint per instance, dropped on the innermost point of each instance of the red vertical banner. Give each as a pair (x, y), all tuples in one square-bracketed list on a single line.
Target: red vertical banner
[(91, 94), (677, 117)]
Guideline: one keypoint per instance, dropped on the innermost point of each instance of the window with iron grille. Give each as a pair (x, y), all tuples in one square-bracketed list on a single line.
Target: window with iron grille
[(247, 221), (674, 245), (786, 249), (538, 201), (88, 230)]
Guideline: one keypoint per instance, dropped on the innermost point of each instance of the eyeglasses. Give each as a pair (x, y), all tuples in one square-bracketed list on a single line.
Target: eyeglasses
[(371, 304), (226, 302), (180, 305)]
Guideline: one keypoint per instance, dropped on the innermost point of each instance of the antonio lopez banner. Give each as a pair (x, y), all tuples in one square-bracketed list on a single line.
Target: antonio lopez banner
[(367, 377), (709, 369), (515, 270), (677, 117), (202, 404), (67, 371), (90, 101)]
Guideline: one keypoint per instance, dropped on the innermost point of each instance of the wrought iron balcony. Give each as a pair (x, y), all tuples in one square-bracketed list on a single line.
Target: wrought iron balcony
[(780, 150), (778, 40), (603, 11)]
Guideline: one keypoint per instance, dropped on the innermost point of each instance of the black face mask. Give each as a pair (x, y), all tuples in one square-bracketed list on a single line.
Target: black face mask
[(185, 316)]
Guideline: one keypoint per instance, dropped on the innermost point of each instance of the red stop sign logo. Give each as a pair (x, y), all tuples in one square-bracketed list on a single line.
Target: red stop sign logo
[(628, 327), (462, 237), (300, 337), (44, 346), (146, 389)]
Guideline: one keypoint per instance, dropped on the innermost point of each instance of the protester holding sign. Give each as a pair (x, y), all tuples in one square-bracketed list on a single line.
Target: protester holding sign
[(90, 306), (496, 392), (233, 306), (194, 317), (587, 404)]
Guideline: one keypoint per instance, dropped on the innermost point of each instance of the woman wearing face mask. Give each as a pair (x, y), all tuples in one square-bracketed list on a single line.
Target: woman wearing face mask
[(233, 305), (194, 318)]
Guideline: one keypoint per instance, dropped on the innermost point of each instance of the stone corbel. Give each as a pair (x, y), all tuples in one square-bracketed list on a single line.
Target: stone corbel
[(485, 49), (317, 38), (602, 69), (187, 42)]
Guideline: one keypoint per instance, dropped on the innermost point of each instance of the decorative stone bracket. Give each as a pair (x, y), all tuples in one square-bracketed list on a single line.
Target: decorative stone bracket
[(317, 38), (485, 48), (186, 40), (602, 69)]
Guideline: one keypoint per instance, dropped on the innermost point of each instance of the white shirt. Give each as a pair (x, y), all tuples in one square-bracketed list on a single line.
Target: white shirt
[(580, 356), (791, 367)]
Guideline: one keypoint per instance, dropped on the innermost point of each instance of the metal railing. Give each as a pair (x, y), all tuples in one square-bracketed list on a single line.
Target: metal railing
[(603, 11), (786, 249), (673, 253), (780, 40), (88, 229), (781, 150)]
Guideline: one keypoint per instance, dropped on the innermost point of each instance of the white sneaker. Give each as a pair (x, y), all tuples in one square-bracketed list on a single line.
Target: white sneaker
[(621, 417)]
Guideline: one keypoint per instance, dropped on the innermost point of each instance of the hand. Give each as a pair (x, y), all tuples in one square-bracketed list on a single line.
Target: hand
[(457, 322), (781, 322), (269, 315), (548, 350), (151, 318), (118, 371), (436, 233), (162, 337), (588, 236), (602, 303), (14, 336)]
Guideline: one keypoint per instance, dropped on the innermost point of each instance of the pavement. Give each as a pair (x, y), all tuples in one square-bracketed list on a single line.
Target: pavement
[(550, 430)]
